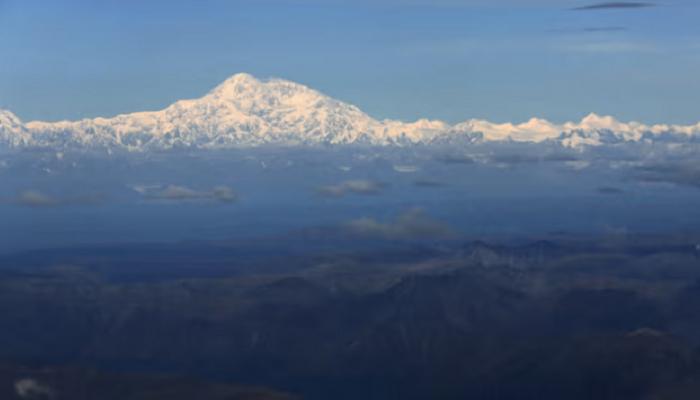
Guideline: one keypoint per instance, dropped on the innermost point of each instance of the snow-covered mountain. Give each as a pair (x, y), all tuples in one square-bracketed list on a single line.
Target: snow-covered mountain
[(244, 111)]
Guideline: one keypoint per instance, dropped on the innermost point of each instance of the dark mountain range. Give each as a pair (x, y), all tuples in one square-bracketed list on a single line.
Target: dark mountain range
[(545, 320)]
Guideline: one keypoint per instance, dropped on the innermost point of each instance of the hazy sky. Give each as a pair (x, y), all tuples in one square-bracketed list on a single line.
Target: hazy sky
[(453, 60)]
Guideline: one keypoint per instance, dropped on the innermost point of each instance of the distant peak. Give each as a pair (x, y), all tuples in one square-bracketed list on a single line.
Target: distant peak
[(236, 84), (241, 78), (247, 84), (7, 117), (595, 118)]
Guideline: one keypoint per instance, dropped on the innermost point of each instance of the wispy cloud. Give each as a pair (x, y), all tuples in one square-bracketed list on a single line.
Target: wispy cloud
[(614, 5), (38, 199), (605, 29), (406, 169), (35, 198), (413, 224), (364, 187), (609, 190), (589, 29), (515, 159), (31, 389), (428, 183), (685, 173), (609, 47), (222, 194), (455, 159)]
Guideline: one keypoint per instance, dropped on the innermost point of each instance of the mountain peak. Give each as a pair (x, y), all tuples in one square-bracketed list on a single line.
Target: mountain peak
[(7, 118), (244, 111), (241, 78), (247, 91), (236, 85), (595, 119)]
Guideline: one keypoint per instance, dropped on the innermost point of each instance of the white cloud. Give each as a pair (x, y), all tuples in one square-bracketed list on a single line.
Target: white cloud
[(406, 169), (38, 199), (413, 224), (609, 47), (364, 187), (222, 194), (34, 198), (578, 165), (31, 389)]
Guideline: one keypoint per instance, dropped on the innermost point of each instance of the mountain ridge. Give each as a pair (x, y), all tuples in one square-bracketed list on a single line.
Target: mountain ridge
[(244, 111)]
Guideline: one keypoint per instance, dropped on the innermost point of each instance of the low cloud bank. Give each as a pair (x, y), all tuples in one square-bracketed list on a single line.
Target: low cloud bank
[(685, 173), (609, 190), (38, 199), (223, 194), (413, 224), (614, 5), (31, 389), (362, 187)]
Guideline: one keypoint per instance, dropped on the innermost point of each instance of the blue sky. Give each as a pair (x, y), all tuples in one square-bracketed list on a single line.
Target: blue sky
[(503, 60)]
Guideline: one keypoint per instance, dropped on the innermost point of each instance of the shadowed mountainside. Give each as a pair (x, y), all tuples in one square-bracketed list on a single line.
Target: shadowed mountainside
[(576, 319)]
